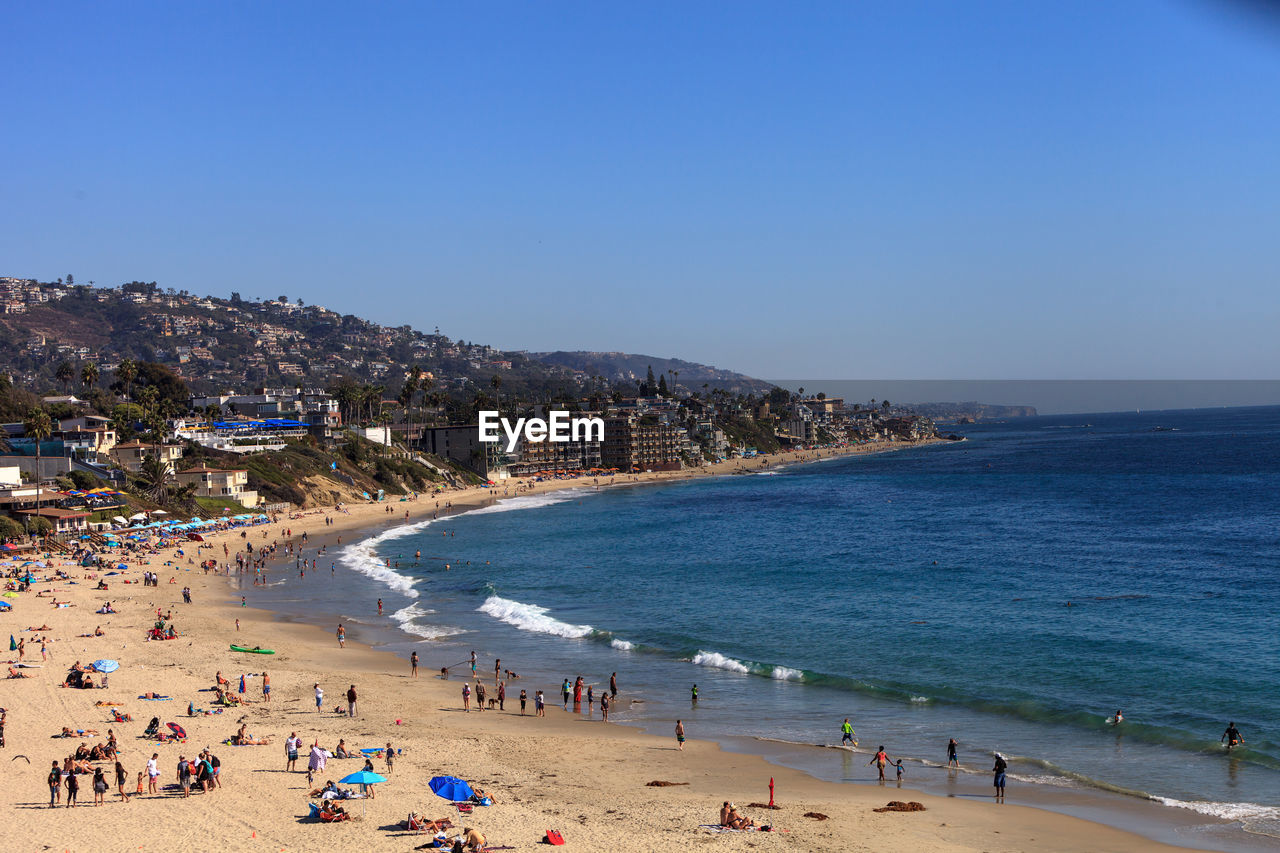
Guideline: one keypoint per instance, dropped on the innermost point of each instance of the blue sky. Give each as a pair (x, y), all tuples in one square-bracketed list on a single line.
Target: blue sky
[(921, 190)]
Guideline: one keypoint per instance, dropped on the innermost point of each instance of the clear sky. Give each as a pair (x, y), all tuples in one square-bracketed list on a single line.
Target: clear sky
[(863, 190)]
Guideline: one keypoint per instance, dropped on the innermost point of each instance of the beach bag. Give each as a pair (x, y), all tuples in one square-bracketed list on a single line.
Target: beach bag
[(554, 837)]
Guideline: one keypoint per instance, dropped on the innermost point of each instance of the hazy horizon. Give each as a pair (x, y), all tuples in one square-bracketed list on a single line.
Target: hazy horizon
[(1054, 396)]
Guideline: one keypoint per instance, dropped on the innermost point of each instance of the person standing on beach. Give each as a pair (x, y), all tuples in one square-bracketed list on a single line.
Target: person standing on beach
[(524, 697), (342, 636), (497, 669), (613, 685), (539, 704), (291, 745), (680, 735), (473, 658), (846, 733), (999, 770), (466, 697), (413, 664), (55, 785), (604, 707), (952, 760), (502, 695), (266, 687), (319, 700), (880, 759), (73, 788), (153, 773), (479, 695), (351, 701), (379, 606), (564, 691)]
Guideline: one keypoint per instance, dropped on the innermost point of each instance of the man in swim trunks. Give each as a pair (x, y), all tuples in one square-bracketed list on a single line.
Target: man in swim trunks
[(846, 733), (1232, 736)]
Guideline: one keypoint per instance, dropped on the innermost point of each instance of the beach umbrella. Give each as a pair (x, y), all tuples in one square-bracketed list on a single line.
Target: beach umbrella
[(177, 730), (4, 605), (364, 777), (106, 665), (11, 595), (450, 788)]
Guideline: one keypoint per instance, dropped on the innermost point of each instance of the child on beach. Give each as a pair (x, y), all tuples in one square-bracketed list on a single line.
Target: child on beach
[(523, 698), (901, 771), (539, 704), (390, 758)]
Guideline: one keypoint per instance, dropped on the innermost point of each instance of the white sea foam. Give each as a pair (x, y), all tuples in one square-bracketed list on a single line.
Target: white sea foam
[(786, 673), (531, 501), (408, 619), (719, 661), (622, 645), (363, 557), (920, 700), (530, 617), (1227, 811)]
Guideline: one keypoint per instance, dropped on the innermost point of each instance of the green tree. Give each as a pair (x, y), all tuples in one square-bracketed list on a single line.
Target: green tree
[(89, 375), (38, 425), (663, 390), (66, 374), (155, 473), (126, 373)]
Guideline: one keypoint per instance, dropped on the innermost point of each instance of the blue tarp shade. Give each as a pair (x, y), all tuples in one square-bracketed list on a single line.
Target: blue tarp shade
[(451, 788)]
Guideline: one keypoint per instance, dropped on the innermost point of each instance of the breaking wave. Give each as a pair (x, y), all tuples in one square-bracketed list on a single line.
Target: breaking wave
[(530, 617)]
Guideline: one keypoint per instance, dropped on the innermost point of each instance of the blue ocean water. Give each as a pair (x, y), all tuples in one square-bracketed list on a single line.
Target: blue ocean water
[(1012, 591)]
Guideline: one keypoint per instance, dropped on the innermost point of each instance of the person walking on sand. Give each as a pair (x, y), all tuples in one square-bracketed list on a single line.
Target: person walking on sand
[(999, 770), (466, 697), (153, 773), (413, 664), (680, 735), (952, 760), (846, 733), (342, 636), (266, 687), (880, 759), (564, 692), (319, 700), (351, 701), (73, 788), (122, 779)]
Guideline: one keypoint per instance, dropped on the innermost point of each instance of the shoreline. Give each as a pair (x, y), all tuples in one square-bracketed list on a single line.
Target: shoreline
[(499, 750)]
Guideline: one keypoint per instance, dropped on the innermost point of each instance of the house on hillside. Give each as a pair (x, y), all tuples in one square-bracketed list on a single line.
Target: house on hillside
[(131, 455), (232, 483)]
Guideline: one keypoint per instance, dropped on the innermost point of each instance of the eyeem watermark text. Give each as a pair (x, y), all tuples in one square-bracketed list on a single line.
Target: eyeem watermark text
[(559, 427)]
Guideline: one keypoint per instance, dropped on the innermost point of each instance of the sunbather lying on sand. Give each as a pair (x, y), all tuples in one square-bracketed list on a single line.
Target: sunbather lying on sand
[(16, 673)]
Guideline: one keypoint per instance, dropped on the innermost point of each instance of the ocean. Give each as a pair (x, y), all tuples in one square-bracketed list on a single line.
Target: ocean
[(1011, 591)]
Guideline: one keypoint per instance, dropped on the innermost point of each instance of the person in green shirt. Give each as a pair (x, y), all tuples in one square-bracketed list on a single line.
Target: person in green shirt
[(846, 731)]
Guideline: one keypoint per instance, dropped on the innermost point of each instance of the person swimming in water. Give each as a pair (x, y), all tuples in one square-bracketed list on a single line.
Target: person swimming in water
[(1118, 718), (1232, 736)]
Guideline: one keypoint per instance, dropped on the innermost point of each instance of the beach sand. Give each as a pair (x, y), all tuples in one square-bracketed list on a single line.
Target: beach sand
[(583, 777)]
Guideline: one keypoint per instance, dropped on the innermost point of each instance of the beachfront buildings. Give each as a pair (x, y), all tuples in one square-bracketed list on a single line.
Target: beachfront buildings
[(642, 443), (231, 483)]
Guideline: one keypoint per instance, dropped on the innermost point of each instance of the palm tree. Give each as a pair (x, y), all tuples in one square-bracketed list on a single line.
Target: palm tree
[(884, 404), (126, 372), (496, 384), (155, 472), (89, 375), (38, 425), (66, 374)]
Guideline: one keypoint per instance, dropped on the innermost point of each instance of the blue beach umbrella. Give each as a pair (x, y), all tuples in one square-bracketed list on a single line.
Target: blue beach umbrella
[(363, 777), (106, 665), (450, 788)]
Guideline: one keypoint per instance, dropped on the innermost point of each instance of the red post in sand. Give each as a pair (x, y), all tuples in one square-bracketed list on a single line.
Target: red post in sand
[(770, 792)]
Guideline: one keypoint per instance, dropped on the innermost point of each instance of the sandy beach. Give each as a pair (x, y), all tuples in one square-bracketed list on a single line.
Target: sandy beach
[(587, 779)]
